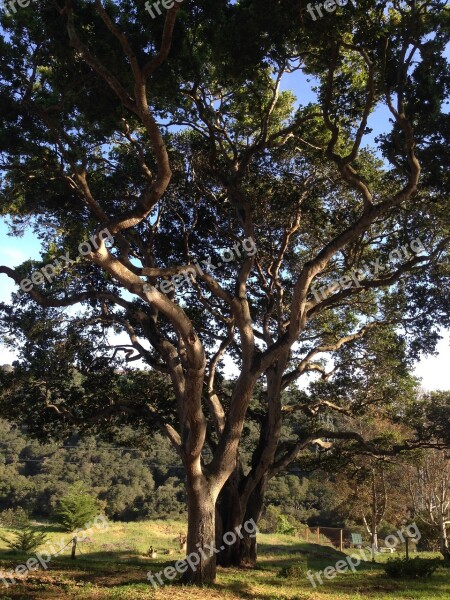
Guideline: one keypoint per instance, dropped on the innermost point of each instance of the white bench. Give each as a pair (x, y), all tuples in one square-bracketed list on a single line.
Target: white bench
[(390, 550)]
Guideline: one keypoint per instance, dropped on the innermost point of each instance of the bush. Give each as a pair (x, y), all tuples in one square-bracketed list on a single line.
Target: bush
[(26, 540), (14, 518), (76, 509), (405, 568), (268, 523), (286, 525), (274, 521), (429, 536), (293, 572)]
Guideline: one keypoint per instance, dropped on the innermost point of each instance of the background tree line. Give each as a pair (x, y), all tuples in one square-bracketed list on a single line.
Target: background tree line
[(130, 484), (140, 477)]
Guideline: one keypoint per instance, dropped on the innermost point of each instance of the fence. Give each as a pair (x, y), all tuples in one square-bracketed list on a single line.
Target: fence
[(335, 536)]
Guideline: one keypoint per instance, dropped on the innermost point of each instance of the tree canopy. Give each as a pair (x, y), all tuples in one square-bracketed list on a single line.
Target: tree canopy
[(296, 240)]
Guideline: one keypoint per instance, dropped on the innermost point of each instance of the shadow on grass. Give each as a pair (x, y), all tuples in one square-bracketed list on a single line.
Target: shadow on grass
[(125, 569), (311, 556)]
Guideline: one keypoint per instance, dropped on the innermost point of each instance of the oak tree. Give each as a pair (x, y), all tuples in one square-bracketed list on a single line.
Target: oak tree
[(176, 136)]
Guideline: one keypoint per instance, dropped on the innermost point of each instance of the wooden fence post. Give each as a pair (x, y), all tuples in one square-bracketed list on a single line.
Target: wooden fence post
[(318, 535), (74, 547), (341, 541)]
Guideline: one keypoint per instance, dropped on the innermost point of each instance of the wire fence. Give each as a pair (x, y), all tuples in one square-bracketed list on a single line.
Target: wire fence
[(329, 536)]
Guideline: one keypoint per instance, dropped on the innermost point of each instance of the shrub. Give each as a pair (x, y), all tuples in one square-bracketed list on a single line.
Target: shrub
[(429, 536), (76, 509), (274, 521), (26, 540), (406, 568), (285, 525), (293, 572), (14, 518), (268, 523)]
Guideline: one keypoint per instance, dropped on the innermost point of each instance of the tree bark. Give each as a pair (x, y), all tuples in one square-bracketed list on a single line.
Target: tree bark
[(242, 498), (248, 552), (443, 538), (234, 512), (201, 532), (229, 515)]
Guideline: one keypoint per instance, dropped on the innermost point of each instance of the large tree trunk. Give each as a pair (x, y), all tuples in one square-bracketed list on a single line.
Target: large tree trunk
[(248, 554), (229, 517), (201, 532), (232, 514), (242, 498)]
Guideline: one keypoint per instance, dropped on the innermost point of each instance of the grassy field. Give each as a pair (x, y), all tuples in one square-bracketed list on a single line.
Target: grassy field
[(113, 566)]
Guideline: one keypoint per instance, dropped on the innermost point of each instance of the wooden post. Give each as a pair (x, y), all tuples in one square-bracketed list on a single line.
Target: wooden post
[(318, 535), (307, 534), (407, 547), (74, 547), (341, 540)]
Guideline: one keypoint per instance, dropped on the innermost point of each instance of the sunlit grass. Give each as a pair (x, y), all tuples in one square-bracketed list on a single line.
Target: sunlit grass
[(113, 566)]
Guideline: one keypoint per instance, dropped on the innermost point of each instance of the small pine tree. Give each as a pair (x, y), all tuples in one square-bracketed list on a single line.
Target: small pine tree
[(26, 540), (76, 509)]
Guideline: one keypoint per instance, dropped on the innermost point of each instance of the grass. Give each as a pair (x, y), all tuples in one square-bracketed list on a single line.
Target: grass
[(113, 566)]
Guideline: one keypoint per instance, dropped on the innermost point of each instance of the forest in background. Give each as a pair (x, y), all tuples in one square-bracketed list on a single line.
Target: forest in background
[(132, 483), (135, 479)]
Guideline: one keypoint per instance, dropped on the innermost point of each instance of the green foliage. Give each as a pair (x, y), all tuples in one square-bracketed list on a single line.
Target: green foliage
[(274, 521), (268, 523), (26, 540), (296, 571), (76, 509), (400, 568), (429, 535), (285, 525), (429, 416), (290, 493), (14, 518), (139, 479)]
